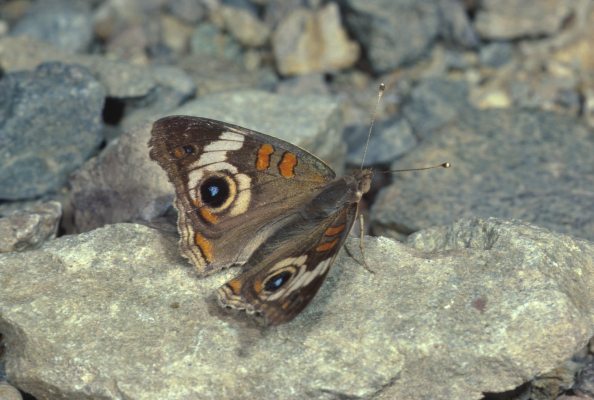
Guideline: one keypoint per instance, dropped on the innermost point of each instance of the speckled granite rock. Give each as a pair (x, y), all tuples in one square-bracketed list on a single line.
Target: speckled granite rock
[(117, 313), (29, 227), (50, 123), (123, 184)]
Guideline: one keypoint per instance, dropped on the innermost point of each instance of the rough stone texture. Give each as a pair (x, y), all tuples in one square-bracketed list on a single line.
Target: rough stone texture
[(480, 306), (123, 184), (434, 103), (215, 75), (456, 27), (313, 41), (50, 123), (208, 40), (120, 79), (189, 10), (65, 24), (242, 22), (30, 227), (528, 165), (389, 140), (393, 32), (514, 19)]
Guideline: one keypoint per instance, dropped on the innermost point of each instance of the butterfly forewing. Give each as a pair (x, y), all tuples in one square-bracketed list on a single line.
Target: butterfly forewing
[(234, 187)]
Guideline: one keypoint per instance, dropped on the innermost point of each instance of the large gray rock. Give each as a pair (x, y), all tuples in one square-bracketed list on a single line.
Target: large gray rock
[(529, 165), (480, 306), (123, 184), (50, 123), (393, 32)]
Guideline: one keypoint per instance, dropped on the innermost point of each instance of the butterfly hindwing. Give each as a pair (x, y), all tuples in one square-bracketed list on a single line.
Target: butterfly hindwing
[(284, 273)]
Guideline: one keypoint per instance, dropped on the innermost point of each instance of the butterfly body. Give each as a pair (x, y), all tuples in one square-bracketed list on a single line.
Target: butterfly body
[(250, 199)]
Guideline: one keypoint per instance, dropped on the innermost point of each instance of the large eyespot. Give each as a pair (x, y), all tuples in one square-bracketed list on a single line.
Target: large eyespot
[(214, 191), (276, 281)]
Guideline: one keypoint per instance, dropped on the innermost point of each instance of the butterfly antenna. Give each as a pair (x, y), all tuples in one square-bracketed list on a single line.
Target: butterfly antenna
[(442, 165), (382, 88)]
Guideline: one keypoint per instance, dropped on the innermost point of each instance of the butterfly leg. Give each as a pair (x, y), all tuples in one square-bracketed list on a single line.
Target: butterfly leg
[(361, 242), (362, 262)]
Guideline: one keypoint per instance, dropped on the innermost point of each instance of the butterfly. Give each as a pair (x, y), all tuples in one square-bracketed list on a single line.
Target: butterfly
[(246, 198)]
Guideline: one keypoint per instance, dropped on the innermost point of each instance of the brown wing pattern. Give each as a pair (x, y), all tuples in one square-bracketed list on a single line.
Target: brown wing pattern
[(286, 272), (234, 187)]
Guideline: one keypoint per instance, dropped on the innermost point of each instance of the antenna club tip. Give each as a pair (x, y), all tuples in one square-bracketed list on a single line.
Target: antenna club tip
[(446, 165)]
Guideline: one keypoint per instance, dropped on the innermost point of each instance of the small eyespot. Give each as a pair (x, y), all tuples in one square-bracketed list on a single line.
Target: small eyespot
[(214, 191), (189, 149), (277, 281)]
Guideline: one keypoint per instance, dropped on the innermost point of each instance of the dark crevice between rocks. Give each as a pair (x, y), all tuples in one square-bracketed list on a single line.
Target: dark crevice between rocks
[(27, 396), (113, 111), (509, 394)]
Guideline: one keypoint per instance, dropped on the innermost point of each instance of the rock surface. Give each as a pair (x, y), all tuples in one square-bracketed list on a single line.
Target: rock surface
[(509, 164), (123, 184), (117, 313), (389, 140), (313, 41), (393, 32), (120, 79), (65, 24), (513, 19), (38, 149), (9, 392), (30, 227)]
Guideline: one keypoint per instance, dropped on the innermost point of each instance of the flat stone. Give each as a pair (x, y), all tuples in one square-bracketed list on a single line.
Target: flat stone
[(530, 165), (29, 227), (313, 41), (50, 123), (468, 300), (122, 184), (393, 32), (516, 19)]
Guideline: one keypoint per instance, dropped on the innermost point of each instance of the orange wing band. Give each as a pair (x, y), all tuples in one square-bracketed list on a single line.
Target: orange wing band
[(204, 245), (287, 165), (263, 160)]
